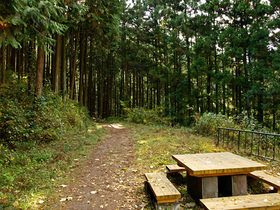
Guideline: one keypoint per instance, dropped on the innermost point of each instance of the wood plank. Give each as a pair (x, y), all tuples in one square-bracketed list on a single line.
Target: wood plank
[(267, 178), (256, 202), (163, 190), (175, 168), (215, 164)]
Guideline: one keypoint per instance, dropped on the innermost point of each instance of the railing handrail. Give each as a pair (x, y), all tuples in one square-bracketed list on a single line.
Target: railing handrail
[(256, 132), (270, 152)]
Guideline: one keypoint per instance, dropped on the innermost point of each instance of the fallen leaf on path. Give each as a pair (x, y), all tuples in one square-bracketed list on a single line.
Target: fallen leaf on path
[(69, 198), (16, 204)]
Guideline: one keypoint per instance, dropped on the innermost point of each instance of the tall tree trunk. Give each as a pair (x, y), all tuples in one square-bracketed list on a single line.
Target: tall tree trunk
[(3, 64), (133, 90), (63, 68), (73, 70), (40, 71), (101, 91), (31, 64), (209, 101), (82, 66), (85, 95), (217, 83), (57, 71)]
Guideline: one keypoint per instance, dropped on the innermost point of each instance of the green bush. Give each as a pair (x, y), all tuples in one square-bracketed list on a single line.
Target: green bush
[(23, 118), (251, 124), (209, 123), (38, 140), (143, 116)]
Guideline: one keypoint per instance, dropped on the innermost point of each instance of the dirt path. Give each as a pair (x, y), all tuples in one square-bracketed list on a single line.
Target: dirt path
[(109, 180)]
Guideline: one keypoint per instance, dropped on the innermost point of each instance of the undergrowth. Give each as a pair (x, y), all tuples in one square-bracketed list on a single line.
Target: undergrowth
[(39, 140), (208, 123), (149, 117)]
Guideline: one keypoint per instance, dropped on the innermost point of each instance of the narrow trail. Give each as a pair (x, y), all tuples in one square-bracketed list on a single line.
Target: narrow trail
[(109, 180)]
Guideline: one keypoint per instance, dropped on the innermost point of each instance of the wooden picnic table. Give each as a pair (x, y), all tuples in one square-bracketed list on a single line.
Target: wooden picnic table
[(210, 174)]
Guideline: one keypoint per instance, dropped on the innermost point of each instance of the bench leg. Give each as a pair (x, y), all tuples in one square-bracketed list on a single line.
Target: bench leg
[(202, 187), (239, 185), (168, 206)]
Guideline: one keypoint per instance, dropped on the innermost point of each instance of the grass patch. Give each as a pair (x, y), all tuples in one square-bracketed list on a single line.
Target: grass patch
[(157, 144), (28, 176)]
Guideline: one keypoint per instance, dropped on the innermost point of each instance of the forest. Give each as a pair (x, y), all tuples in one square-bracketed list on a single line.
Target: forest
[(187, 57)]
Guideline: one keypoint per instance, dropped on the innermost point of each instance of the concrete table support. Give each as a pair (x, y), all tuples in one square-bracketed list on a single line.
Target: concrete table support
[(232, 185), (210, 174), (202, 187)]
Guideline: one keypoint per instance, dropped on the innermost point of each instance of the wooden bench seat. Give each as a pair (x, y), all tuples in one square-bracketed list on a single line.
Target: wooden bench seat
[(174, 169), (267, 178), (259, 201), (163, 190)]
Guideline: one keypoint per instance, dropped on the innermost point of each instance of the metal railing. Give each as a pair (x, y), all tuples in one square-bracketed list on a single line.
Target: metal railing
[(266, 145)]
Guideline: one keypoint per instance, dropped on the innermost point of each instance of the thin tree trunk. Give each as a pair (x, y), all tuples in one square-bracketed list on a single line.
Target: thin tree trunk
[(73, 70), (85, 96), (63, 68), (3, 65), (57, 72), (82, 66), (40, 71)]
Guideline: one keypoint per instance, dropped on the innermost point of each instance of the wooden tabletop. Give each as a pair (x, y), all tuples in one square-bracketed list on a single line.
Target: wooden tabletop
[(216, 164)]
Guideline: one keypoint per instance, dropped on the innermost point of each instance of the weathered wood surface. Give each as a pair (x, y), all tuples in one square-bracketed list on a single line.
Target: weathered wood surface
[(256, 202), (163, 190), (175, 168), (267, 178), (217, 164)]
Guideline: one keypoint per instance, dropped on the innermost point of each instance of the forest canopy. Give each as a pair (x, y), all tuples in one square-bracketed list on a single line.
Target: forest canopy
[(186, 56)]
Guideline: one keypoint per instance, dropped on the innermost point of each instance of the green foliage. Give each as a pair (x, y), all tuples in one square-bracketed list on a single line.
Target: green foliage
[(38, 140), (151, 117), (23, 118), (209, 123)]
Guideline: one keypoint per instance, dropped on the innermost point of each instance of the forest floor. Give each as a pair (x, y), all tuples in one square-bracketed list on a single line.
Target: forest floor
[(111, 175), (109, 179)]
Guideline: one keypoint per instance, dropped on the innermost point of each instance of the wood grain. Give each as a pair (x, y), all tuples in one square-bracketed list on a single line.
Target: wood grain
[(269, 179), (217, 164), (163, 190), (256, 202), (175, 168)]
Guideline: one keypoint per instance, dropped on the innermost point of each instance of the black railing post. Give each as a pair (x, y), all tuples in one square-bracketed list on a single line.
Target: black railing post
[(266, 146), (274, 148), (252, 143), (259, 145), (245, 140), (238, 140), (218, 137), (223, 136)]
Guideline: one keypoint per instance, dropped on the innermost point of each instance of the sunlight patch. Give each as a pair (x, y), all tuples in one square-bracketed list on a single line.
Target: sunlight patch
[(117, 126)]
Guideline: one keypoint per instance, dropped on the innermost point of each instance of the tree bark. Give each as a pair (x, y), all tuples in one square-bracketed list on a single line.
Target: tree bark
[(63, 68), (82, 66), (73, 70), (3, 64), (57, 71), (40, 70)]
